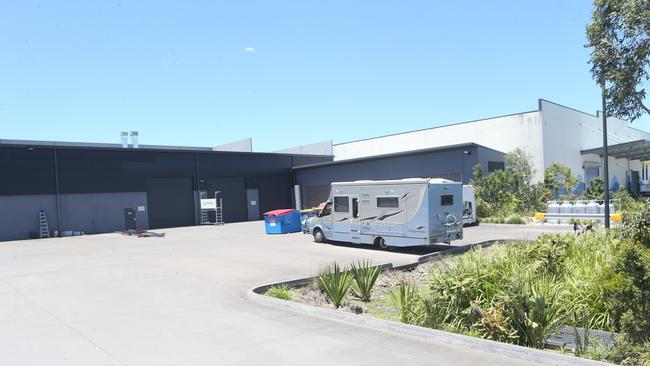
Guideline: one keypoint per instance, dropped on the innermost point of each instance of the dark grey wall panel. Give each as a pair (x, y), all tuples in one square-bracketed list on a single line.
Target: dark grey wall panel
[(171, 202), (275, 191), (19, 215), (427, 164), (457, 161), (102, 212), (487, 155), (99, 171), (26, 172), (233, 194)]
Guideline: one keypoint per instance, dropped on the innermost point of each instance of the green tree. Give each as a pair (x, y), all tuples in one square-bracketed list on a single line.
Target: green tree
[(595, 189), (619, 35), (509, 191), (559, 181), (519, 162), (520, 169)]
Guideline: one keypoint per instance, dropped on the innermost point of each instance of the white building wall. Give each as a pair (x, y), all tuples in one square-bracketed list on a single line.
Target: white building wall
[(523, 130), (566, 132)]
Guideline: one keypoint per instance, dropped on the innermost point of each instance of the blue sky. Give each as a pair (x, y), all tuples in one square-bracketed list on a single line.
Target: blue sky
[(201, 73)]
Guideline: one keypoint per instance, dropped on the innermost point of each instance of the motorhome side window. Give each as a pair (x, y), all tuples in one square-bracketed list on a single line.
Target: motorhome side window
[(327, 210), (341, 204), (387, 202), (446, 200), (355, 207)]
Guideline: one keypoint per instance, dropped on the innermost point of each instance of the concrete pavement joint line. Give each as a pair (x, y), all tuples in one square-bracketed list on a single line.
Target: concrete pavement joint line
[(64, 323)]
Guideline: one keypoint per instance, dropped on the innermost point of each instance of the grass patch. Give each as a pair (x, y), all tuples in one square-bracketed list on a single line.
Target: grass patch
[(283, 292)]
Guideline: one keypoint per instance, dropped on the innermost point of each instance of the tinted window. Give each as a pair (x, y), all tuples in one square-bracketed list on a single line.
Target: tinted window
[(341, 204), (327, 210), (446, 200), (387, 202), (355, 207), (495, 165)]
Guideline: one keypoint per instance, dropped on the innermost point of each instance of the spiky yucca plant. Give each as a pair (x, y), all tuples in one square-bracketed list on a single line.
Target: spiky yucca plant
[(335, 282), (364, 276)]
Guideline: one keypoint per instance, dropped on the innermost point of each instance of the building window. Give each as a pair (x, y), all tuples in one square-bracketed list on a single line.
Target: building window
[(341, 204), (446, 200), (391, 202), (496, 165), (591, 172)]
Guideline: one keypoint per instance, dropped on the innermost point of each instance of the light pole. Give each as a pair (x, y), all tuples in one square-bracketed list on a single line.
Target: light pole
[(605, 158)]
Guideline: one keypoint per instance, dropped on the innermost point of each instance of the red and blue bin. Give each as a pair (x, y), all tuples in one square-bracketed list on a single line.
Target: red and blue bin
[(282, 221)]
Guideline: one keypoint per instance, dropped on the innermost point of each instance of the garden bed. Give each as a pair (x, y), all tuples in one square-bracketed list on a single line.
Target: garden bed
[(527, 294)]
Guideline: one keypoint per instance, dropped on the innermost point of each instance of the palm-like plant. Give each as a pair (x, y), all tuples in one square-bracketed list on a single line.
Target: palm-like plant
[(335, 282), (405, 299), (364, 275)]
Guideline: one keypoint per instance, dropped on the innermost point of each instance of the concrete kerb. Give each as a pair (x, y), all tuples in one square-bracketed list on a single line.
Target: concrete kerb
[(427, 334)]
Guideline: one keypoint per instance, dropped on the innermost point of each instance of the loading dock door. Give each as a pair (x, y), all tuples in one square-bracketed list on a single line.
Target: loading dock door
[(171, 202), (233, 193)]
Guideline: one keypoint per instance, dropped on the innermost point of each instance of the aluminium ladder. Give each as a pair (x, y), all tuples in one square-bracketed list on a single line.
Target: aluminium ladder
[(219, 212), (43, 226)]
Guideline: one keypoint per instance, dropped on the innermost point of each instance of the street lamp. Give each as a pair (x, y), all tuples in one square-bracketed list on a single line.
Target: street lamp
[(605, 158)]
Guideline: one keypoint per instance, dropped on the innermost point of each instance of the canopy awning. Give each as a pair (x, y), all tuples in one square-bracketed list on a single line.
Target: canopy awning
[(633, 150)]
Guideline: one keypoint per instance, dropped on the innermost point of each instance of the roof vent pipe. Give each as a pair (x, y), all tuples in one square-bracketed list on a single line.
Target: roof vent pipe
[(124, 138), (134, 139)]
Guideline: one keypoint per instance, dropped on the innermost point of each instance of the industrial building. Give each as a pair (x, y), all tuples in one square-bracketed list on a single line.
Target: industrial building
[(551, 133), (454, 162), (95, 188)]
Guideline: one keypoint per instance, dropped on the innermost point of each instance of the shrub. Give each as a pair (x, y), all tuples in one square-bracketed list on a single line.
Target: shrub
[(515, 219), (335, 283), (283, 292), (493, 324), (405, 299), (559, 181), (595, 190), (626, 352), (364, 276), (626, 202), (628, 292), (636, 224), (538, 313)]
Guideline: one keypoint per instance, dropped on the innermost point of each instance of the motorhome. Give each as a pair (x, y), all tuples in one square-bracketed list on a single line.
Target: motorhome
[(469, 206), (391, 213)]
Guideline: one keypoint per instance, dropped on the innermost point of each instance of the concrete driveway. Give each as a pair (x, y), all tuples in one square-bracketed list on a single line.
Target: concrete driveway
[(116, 300)]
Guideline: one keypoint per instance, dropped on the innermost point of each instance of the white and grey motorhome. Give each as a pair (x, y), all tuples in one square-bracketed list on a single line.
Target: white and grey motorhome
[(469, 209), (399, 213)]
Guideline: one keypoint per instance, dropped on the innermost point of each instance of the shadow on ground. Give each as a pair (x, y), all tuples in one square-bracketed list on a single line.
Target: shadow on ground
[(416, 250)]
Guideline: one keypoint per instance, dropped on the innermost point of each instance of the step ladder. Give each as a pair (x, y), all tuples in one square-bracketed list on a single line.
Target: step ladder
[(43, 227), (213, 205), (205, 217), (219, 212)]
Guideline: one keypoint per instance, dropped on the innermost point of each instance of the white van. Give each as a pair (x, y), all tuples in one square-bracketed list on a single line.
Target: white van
[(400, 213), (469, 209)]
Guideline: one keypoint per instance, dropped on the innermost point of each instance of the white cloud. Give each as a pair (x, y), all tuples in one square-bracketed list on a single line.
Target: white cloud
[(249, 50)]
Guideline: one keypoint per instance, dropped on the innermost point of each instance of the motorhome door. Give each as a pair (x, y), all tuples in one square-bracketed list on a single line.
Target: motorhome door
[(355, 236), (342, 218)]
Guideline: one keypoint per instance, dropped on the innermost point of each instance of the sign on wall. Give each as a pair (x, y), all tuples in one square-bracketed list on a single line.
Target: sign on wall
[(208, 204)]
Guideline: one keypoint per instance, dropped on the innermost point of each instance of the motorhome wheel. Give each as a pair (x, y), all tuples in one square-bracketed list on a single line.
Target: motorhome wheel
[(381, 243), (318, 236)]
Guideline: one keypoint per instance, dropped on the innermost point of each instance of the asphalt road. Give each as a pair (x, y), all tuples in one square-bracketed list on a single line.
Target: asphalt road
[(116, 300)]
